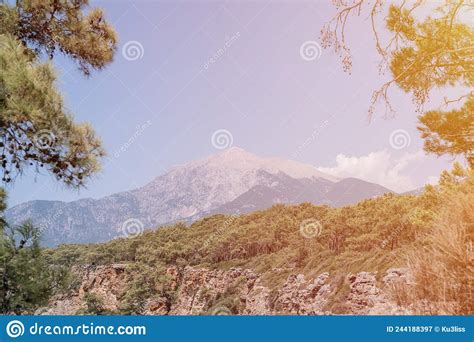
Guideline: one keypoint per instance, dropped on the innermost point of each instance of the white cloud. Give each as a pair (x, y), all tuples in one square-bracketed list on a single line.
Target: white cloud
[(378, 167)]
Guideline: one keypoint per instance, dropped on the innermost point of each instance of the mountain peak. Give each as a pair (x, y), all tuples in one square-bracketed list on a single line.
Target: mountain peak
[(234, 150), (236, 158), (235, 153), (230, 181)]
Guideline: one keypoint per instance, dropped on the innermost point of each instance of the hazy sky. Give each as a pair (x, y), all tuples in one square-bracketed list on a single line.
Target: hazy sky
[(238, 66)]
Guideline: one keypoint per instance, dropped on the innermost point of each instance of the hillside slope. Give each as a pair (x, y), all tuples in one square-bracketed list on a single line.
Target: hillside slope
[(285, 248), (233, 181), (289, 259)]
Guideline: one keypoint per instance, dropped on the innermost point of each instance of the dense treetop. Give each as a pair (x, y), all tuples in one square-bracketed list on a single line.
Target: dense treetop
[(36, 128)]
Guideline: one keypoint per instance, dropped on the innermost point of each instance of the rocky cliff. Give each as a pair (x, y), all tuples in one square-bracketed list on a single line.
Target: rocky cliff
[(240, 291)]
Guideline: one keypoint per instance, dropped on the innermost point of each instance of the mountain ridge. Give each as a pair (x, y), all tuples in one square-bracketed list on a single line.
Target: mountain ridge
[(233, 181)]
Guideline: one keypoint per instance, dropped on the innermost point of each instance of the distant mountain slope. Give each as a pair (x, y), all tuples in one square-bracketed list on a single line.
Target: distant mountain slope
[(278, 188), (285, 189), (229, 182), (352, 190)]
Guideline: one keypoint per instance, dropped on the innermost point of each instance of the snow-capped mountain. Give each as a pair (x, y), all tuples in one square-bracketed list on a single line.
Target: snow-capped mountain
[(233, 181)]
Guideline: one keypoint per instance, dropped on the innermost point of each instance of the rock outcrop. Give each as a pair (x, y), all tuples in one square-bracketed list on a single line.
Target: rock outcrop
[(368, 297), (300, 297), (199, 287), (201, 291), (107, 282)]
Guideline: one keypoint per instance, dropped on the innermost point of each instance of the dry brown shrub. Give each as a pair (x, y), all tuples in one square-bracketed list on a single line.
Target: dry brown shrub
[(443, 270)]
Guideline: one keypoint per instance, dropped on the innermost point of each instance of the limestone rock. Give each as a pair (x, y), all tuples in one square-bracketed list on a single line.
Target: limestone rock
[(197, 290)]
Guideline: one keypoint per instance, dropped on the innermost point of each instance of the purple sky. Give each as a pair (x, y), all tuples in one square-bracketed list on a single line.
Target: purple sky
[(238, 66)]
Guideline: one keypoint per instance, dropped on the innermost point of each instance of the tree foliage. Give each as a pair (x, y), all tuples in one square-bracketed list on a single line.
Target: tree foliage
[(27, 278), (373, 235), (450, 132), (429, 46), (93, 305), (36, 128), (51, 26), (27, 281)]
